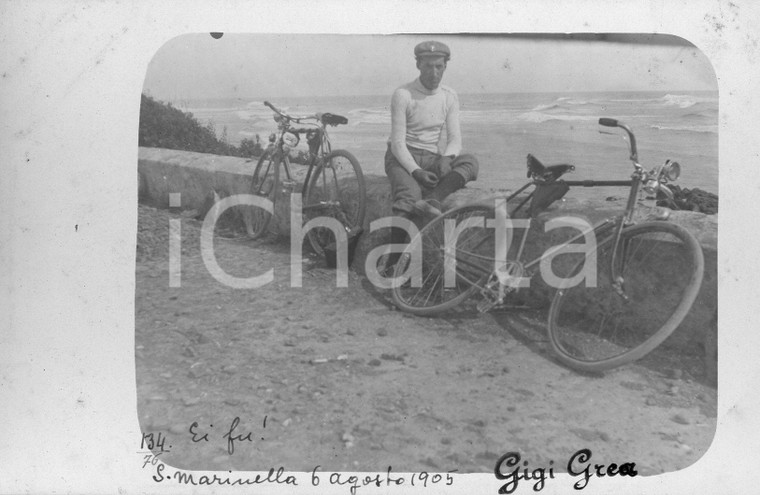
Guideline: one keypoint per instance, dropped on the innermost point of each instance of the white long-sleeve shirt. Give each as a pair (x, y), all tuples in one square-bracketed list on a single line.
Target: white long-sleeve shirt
[(418, 116)]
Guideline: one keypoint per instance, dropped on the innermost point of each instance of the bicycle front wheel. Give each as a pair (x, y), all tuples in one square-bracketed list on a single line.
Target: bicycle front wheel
[(264, 183), (659, 268), (445, 264), (336, 190)]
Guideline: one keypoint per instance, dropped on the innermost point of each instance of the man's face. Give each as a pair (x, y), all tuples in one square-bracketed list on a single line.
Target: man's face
[(431, 71)]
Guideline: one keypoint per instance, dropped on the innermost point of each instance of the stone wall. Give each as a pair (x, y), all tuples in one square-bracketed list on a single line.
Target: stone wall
[(199, 176)]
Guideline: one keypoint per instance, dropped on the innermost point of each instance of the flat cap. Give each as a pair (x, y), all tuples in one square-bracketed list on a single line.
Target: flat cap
[(431, 49)]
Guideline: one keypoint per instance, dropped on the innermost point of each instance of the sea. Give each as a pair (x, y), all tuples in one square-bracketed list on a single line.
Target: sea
[(502, 129)]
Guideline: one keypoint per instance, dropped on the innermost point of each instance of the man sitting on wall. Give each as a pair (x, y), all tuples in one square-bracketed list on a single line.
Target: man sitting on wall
[(421, 176)]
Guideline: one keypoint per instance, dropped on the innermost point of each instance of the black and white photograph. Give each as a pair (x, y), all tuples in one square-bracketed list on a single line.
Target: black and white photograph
[(357, 260), (267, 339)]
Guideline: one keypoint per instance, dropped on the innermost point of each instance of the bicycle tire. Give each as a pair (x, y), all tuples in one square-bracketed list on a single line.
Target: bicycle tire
[(264, 182), (472, 263), (596, 329), (336, 189)]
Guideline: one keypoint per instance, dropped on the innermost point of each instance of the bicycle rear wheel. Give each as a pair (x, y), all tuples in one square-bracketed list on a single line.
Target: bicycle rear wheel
[(264, 182), (337, 190), (457, 253), (600, 328)]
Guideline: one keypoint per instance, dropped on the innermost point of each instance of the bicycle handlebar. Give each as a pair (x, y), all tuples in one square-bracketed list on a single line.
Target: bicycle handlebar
[(607, 122), (290, 117)]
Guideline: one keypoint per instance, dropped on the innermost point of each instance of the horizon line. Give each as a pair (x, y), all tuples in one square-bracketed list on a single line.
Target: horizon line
[(262, 98)]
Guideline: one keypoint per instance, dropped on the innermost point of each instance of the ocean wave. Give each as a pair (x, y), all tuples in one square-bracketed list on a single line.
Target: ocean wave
[(574, 101), (255, 111), (683, 101), (632, 100), (670, 100), (711, 129), (369, 116), (539, 117), (702, 113), (209, 109), (487, 117), (545, 107), (562, 102)]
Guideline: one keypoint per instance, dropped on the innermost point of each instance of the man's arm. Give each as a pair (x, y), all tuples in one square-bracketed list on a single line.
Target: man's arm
[(453, 132), (399, 102)]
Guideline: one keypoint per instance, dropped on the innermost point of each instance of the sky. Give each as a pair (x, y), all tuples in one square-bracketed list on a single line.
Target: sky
[(196, 66)]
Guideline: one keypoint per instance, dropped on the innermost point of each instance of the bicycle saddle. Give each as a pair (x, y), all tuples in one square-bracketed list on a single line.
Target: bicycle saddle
[(539, 171), (332, 119)]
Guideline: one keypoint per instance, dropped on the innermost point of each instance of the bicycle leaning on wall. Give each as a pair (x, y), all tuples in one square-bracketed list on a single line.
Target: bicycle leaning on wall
[(334, 184), (647, 275)]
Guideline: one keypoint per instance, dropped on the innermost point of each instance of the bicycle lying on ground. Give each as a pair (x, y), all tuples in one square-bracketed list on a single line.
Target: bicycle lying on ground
[(334, 184), (647, 274)]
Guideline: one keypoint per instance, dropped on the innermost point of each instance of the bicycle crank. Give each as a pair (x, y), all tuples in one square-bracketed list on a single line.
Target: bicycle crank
[(503, 281)]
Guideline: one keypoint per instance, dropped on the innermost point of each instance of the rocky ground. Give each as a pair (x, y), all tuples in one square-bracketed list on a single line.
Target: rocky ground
[(335, 377)]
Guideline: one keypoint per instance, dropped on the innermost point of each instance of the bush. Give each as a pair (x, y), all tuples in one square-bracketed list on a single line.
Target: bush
[(249, 148), (163, 126)]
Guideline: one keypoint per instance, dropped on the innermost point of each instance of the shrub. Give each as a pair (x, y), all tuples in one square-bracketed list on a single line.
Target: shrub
[(249, 148), (163, 126)]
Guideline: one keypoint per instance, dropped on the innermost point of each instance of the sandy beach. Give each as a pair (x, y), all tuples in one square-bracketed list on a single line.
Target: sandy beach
[(328, 376)]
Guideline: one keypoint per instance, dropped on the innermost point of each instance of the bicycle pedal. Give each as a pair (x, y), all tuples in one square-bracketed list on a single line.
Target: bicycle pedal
[(485, 305)]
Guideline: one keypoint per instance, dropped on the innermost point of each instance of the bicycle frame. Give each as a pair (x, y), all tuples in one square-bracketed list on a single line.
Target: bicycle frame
[(333, 189), (282, 149), (603, 228), (599, 229), (315, 153)]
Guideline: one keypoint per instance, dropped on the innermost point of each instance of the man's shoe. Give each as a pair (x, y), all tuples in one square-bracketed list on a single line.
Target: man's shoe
[(429, 207), (449, 183)]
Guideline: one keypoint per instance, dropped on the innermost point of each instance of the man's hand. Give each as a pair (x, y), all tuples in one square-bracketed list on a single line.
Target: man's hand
[(425, 177)]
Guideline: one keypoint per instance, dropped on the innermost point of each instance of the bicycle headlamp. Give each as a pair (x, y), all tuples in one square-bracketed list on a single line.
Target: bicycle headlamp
[(671, 170), (289, 140)]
